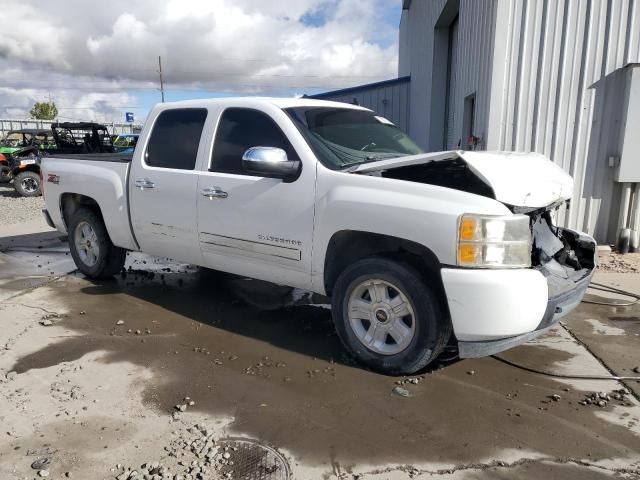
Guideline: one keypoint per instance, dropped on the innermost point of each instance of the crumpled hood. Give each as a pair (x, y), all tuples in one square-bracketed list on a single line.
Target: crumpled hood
[(527, 180)]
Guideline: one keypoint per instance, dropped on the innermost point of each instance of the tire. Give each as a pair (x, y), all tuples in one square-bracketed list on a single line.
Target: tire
[(28, 184), (409, 306), (91, 248), (5, 174)]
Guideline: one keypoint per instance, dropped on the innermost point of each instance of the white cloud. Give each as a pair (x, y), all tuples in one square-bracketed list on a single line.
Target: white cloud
[(93, 51)]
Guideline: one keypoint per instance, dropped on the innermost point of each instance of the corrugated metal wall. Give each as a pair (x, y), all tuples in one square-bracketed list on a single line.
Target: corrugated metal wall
[(420, 27), (555, 91), (419, 22), (389, 99), (404, 57), (477, 24), (451, 134)]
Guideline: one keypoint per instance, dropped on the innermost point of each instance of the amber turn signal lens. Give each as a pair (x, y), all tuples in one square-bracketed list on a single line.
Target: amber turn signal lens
[(468, 228), (468, 254)]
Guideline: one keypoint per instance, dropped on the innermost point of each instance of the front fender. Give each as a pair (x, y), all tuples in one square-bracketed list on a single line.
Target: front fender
[(425, 214)]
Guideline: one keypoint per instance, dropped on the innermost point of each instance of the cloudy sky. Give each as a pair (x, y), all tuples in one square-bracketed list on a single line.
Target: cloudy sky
[(98, 59)]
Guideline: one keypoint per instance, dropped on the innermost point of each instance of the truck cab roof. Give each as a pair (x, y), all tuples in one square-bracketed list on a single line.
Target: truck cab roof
[(280, 102)]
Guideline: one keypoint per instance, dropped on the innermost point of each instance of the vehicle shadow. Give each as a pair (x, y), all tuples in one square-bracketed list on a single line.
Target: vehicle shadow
[(26, 241), (30, 256), (290, 319), (7, 191)]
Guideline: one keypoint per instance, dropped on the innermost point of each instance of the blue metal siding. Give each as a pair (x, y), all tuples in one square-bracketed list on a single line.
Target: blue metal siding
[(390, 98)]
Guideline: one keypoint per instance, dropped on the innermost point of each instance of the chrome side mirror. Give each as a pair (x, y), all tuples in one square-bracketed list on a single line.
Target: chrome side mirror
[(270, 162)]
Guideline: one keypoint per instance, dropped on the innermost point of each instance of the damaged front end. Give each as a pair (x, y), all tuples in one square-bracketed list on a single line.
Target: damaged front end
[(566, 258), (530, 297)]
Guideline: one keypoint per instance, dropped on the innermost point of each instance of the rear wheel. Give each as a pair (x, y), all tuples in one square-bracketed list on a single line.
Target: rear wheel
[(91, 247), (27, 184), (388, 317)]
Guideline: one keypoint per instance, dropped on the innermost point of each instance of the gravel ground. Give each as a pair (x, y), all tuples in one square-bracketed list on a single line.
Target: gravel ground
[(615, 262), (17, 209)]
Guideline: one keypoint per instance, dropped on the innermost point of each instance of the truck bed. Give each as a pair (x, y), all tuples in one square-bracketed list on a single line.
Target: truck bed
[(103, 177)]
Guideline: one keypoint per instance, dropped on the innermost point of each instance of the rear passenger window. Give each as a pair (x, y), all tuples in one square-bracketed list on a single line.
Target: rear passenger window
[(175, 138), (239, 130)]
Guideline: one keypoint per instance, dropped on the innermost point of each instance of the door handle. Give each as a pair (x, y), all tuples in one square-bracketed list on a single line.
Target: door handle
[(214, 192), (145, 184)]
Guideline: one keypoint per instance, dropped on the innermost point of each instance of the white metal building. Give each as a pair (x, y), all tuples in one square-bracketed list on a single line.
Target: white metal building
[(560, 77)]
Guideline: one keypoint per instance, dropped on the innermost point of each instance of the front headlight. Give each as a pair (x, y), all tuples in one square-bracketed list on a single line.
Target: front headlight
[(486, 241)]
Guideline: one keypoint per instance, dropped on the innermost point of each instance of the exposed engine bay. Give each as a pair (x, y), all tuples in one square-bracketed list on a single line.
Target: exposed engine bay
[(453, 173), (529, 181), (561, 255)]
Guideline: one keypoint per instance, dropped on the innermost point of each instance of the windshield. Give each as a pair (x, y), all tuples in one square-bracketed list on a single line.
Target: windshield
[(342, 137), (16, 139), (44, 138)]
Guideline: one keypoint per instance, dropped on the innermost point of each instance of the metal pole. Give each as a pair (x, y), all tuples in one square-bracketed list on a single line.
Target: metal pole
[(624, 232), (161, 82), (623, 215), (634, 221)]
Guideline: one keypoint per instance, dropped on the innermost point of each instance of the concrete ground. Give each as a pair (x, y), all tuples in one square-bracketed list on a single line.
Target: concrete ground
[(91, 374)]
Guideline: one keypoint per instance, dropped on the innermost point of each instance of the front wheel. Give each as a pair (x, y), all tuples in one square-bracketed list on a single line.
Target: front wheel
[(388, 317), (5, 174), (91, 247), (27, 184)]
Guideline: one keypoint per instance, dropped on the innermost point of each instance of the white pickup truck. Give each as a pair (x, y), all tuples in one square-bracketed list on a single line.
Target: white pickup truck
[(417, 250)]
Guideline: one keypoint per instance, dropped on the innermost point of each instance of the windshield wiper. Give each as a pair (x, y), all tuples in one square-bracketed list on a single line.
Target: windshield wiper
[(369, 159)]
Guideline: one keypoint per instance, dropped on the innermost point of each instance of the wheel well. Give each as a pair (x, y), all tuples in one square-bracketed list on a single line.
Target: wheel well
[(30, 168), (348, 246), (70, 202)]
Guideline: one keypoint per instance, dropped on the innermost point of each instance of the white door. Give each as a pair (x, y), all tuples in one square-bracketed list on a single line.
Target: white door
[(255, 226), (164, 184)]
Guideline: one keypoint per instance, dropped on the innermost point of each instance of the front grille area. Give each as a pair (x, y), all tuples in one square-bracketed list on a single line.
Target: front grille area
[(563, 256)]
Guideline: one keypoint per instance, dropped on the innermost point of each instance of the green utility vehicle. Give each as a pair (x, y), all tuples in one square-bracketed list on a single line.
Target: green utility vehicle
[(20, 150)]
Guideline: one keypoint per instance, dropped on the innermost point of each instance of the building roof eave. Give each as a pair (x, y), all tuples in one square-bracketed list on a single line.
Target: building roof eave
[(344, 91)]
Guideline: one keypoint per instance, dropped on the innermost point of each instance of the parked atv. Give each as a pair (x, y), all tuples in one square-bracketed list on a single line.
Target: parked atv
[(18, 143), (25, 172), (25, 148), (81, 137), (22, 150)]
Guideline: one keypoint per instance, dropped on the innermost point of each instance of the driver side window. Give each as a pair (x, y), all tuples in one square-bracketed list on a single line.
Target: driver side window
[(240, 129)]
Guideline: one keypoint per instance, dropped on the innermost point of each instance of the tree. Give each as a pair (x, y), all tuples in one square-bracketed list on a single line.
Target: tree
[(44, 111)]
